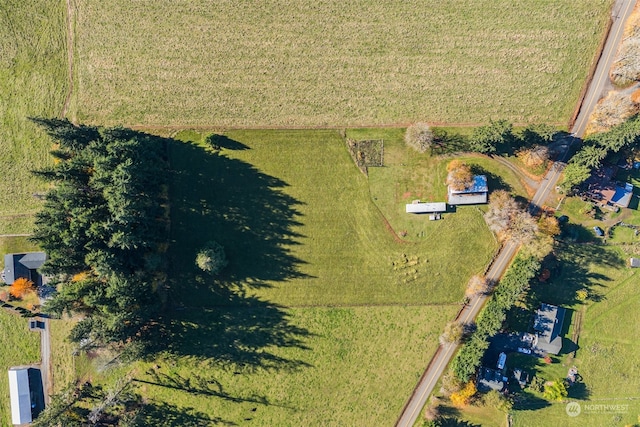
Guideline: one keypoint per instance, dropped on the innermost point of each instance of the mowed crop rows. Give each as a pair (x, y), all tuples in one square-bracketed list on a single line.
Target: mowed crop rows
[(308, 63)]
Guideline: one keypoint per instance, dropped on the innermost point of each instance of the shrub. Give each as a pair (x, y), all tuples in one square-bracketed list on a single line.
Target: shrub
[(537, 384), (212, 258), (534, 157), (477, 285), (419, 137), (453, 333), (497, 400), (582, 294), (21, 287), (450, 383), (556, 390), (613, 110), (432, 411), (463, 397)]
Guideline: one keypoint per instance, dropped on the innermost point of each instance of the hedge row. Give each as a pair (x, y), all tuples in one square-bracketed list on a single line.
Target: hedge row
[(514, 282)]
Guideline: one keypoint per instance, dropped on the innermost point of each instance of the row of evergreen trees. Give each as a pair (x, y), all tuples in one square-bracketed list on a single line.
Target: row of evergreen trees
[(597, 147), (104, 227)]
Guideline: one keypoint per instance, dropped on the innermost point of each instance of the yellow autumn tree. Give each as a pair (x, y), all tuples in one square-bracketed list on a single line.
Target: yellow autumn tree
[(21, 287), (463, 397), (460, 176)]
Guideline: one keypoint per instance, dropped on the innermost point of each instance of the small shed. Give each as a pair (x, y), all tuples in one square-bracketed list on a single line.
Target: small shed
[(634, 262), (420, 207), (20, 395)]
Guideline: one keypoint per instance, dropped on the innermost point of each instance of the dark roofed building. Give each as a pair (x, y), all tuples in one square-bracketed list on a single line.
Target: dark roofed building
[(602, 189), (474, 194), (520, 376), (491, 379), (23, 265), (548, 325)]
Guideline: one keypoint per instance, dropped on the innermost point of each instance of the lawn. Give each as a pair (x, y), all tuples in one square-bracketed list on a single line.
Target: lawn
[(607, 351), (359, 366), (304, 63), (322, 317), (33, 82), (300, 226), (607, 355), (408, 176), (19, 347)]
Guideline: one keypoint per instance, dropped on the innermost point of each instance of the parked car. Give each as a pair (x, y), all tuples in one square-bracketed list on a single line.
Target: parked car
[(598, 231), (524, 350), (36, 324)]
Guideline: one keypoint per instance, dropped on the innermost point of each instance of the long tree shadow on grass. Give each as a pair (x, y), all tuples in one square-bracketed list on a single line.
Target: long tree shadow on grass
[(162, 414), (218, 198), (494, 182), (570, 273), (214, 197)]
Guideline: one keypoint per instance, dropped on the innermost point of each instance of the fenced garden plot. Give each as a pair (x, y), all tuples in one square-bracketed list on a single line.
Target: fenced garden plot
[(366, 153)]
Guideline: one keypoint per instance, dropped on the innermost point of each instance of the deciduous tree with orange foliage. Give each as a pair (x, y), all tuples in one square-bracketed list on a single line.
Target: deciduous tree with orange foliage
[(460, 176), (21, 287)]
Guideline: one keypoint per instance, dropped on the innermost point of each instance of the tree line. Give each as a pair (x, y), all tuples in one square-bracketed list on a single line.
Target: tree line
[(596, 148), (104, 228)]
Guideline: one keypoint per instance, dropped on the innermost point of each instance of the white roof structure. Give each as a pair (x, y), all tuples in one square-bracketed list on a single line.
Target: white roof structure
[(20, 396), (634, 262), (426, 207)]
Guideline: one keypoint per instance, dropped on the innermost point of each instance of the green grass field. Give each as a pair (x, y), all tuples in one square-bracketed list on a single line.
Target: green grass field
[(322, 316), (361, 365), (302, 63), (300, 226), (19, 347), (33, 82)]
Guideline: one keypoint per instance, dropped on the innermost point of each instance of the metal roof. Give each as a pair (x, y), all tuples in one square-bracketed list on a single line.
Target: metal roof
[(426, 207), (548, 324), (20, 395), (479, 185)]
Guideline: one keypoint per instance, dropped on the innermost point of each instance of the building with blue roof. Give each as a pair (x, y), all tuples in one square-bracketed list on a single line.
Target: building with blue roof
[(474, 194)]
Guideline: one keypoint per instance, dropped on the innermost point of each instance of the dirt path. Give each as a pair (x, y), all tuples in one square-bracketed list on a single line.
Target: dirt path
[(67, 101), (531, 184), (16, 235)]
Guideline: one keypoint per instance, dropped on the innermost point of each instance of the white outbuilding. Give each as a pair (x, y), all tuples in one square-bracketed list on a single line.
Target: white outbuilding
[(419, 207), (20, 396)]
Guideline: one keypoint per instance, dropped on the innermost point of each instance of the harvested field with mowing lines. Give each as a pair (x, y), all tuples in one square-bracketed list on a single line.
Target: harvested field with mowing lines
[(302, 63)]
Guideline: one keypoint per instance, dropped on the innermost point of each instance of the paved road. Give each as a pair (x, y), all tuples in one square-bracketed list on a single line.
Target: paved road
[(445, 353), (621, 10)]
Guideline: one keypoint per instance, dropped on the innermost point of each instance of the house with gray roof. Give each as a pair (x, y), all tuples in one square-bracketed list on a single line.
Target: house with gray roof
[(491, 379), (476, 193), (548, 326), (23, 265)]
